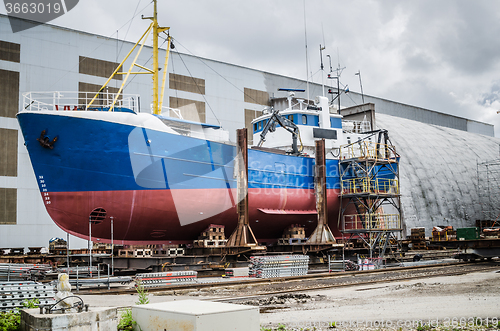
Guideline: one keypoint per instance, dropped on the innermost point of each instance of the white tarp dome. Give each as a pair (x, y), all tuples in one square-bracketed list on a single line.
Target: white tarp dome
[(439, 172)]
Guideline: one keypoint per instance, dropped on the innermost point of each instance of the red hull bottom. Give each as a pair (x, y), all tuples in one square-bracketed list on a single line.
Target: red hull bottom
[(179, 216)]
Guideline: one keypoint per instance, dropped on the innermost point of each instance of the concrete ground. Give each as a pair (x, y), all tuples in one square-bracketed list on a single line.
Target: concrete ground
[(440, 299)]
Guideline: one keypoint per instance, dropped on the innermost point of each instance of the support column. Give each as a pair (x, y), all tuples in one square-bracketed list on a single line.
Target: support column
[(242, 236), (322, 234)]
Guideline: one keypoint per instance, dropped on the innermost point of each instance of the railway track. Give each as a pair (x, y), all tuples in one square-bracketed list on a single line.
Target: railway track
[(366, 278), (271, 286)]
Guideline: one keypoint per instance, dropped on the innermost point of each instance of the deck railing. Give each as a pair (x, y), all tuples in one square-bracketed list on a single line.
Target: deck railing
[(72, 100), (365, 149), (350, 126), (367, 185)]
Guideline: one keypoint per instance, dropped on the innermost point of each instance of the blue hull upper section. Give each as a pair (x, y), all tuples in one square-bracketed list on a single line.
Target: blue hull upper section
[(93, 155)]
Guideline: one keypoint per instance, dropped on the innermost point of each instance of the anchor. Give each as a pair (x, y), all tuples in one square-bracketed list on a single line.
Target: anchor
[(45, 141)]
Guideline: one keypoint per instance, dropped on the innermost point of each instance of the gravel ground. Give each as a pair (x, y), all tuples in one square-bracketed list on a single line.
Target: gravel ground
[(449, 300), (435, 300)]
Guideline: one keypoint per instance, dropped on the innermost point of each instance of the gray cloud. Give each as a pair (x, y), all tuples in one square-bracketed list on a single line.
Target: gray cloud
[(493, 95), (442, 55)]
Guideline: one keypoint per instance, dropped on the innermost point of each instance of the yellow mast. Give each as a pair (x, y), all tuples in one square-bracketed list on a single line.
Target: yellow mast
[(155, 61), (156, 31), (157, 103)]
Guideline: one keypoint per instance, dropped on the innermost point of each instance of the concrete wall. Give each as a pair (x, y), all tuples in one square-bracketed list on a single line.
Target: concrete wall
[(383, 106)]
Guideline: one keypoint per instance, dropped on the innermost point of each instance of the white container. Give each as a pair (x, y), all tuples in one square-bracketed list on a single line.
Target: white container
[(195, 315)]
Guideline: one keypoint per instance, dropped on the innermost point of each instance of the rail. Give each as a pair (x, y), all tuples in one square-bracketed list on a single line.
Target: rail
[(349, 126), (72, 100), (337, 279), (371, 222), (366, 185), (365, 149), (171, 112)]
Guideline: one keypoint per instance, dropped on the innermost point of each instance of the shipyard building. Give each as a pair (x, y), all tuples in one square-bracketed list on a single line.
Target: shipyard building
[(448, 172)]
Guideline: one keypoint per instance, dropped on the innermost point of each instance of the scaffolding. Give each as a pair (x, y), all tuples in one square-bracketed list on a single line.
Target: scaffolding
[(488, 182), (370, 207)]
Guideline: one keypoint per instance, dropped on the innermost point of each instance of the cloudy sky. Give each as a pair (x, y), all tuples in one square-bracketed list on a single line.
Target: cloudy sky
[(442, 55)]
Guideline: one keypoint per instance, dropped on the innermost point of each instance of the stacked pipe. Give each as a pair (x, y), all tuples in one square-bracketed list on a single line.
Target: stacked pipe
[(14, 294), (278, 266), (18, 271), (82, 271), (157, 279)]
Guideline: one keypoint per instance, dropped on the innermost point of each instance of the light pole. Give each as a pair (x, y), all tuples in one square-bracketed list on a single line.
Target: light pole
[(112, 249), (90, 246), (67, 251), (361, 85)]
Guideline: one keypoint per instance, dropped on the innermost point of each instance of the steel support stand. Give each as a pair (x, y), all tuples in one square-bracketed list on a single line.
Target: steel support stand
[(243, 235), (322, 234)]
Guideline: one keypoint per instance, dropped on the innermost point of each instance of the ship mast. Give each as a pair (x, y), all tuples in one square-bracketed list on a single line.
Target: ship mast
[(158, 102), (156, 29), (155, 60)]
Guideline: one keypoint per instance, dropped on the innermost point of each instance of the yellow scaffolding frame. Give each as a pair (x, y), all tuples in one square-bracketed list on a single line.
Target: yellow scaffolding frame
[(369, 186), (366, 149), (372, 222)]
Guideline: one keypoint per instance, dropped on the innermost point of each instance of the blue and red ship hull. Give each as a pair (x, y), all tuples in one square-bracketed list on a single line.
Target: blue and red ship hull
[(160, 186)]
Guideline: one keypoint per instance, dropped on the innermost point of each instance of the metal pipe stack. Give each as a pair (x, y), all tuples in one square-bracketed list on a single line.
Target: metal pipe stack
[(157, 279), (278, 266), (19, 271), (13, 294), (82, 271)]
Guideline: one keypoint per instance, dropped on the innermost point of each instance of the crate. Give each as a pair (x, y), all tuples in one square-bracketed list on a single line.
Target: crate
[(444, 236), (349, 245), (417, 238), (292, 241), (209, 243), (143, 252), (418, 231), (468, 233), (125, 253)]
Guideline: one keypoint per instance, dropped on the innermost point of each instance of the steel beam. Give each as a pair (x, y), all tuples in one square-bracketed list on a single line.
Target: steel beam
[(322, 234), (243, 235)]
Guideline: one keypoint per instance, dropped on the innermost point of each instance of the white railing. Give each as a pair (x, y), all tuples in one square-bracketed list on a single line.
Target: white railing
[(73, 100), (171, 112), (349, 126)]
